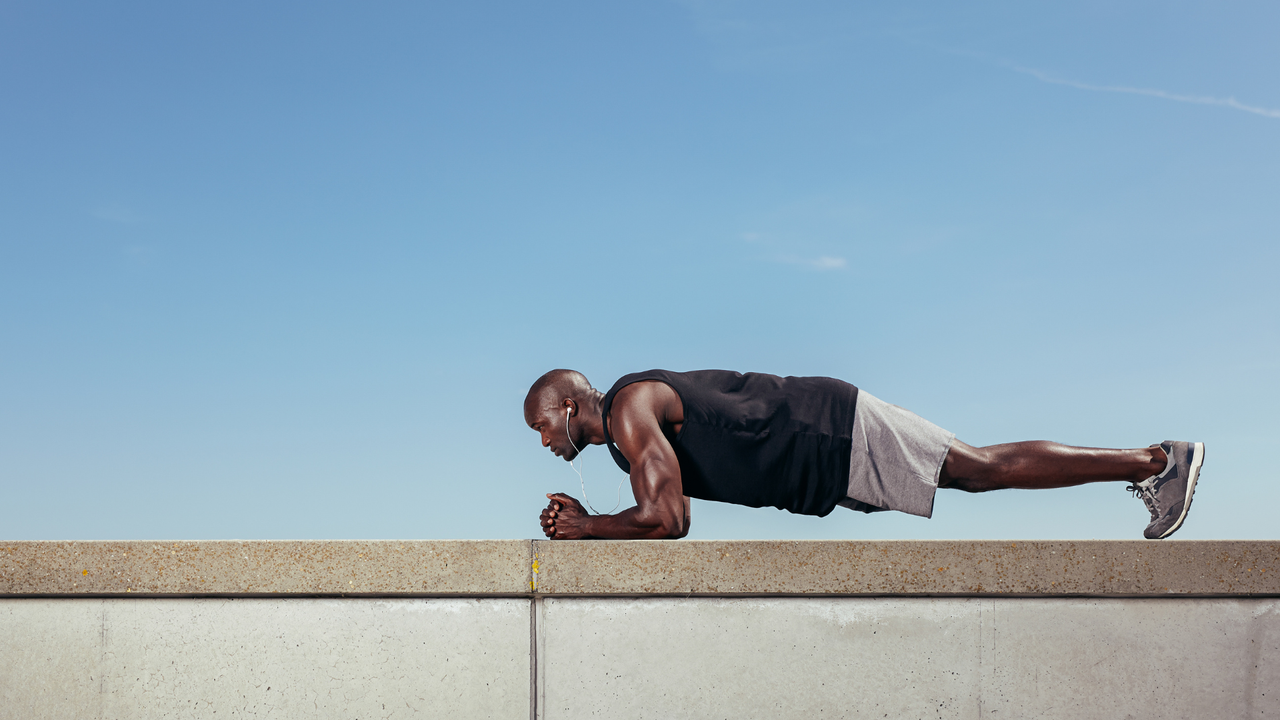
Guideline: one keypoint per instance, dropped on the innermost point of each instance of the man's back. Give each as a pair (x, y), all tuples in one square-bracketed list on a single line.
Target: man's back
[(756, 439)]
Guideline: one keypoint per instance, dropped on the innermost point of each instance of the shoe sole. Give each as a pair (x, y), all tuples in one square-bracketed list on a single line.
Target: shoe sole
[(1197, 460)]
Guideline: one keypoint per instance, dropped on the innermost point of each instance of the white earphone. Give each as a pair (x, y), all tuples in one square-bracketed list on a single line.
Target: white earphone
[(582, 483)]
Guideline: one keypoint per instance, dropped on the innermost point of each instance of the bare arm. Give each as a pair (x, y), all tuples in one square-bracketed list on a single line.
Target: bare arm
[(662, 510), (573, 521)]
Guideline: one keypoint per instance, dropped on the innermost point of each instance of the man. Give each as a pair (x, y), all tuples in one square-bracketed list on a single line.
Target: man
[(805, 445)]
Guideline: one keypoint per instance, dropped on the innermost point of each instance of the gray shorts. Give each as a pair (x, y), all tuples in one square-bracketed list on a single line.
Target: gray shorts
[(896, 460)]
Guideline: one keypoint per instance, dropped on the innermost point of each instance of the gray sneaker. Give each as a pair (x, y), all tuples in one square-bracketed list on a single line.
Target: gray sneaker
[(1168, 495)]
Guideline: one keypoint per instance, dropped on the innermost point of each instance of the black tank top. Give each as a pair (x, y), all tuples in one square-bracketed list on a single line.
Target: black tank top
[(755, 439)]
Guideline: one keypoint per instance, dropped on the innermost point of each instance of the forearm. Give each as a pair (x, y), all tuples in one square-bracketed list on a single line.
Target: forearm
[(631, 524)]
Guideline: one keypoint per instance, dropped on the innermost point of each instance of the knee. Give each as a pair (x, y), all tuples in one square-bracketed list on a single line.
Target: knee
[(969, 469)]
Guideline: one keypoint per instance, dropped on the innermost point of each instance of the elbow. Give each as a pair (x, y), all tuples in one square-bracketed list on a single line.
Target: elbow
[(665, 526), (674, 528)]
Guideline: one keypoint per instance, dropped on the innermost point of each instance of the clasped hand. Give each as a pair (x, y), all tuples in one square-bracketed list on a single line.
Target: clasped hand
[(564, 518)]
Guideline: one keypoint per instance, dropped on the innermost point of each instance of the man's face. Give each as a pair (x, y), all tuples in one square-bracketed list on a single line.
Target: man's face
[(549, 422)]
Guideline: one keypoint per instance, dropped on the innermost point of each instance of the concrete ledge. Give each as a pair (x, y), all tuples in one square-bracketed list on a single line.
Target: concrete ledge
[(437, 568), (525, 568), (948, 567)]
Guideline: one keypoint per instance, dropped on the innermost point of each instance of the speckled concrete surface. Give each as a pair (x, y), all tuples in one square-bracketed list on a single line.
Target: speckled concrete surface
[(265, 658), (266, 567), (715, 568), (908, 567)]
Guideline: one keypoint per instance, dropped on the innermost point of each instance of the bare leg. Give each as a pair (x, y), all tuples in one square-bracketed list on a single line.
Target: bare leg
[(1040, 465)]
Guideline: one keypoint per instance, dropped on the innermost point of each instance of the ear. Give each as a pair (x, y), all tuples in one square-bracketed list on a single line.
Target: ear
[(570, 406)]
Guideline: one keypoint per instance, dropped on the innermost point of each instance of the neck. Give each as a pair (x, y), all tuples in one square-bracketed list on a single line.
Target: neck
[(589, 417)]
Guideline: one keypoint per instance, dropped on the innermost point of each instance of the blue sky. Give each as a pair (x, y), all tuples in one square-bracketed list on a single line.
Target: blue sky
[(287, 270)]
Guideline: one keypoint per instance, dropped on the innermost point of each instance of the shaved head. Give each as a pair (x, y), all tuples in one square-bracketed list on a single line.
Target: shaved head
[(553, 400), (551, 388)]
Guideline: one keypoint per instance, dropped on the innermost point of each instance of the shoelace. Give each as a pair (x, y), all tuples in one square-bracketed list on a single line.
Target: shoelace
[(1148, 497)]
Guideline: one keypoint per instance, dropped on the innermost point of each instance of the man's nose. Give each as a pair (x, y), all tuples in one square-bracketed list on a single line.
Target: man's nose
[(546, 441)]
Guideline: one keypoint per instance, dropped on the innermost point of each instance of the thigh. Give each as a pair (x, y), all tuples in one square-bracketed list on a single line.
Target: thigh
[(896, 457)]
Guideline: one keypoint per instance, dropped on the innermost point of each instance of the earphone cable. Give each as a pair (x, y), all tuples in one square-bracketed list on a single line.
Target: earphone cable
[(582, 483)]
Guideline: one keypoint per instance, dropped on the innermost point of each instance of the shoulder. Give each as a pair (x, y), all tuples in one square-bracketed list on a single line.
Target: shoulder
[(643, 399), (639, 414)]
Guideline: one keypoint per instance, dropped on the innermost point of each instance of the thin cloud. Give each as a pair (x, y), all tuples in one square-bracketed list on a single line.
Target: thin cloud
[(825, 262), (1229, 102), (822, 262)]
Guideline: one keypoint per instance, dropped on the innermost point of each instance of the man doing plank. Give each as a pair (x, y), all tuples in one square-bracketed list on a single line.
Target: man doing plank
[(805, 444)]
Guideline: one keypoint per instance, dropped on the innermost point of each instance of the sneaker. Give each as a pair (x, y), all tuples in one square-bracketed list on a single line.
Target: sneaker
[(1168, 495)]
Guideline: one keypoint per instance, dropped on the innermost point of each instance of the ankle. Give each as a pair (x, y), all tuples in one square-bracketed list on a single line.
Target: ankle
[(1156, 462)]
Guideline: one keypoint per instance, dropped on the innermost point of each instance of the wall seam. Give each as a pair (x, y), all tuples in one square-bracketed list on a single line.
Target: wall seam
[(540, 638), (533, 631), (537, 609), (533, 659)]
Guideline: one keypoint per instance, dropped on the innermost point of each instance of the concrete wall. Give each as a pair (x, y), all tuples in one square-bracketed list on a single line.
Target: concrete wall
[(530, 629), (166, 658)]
